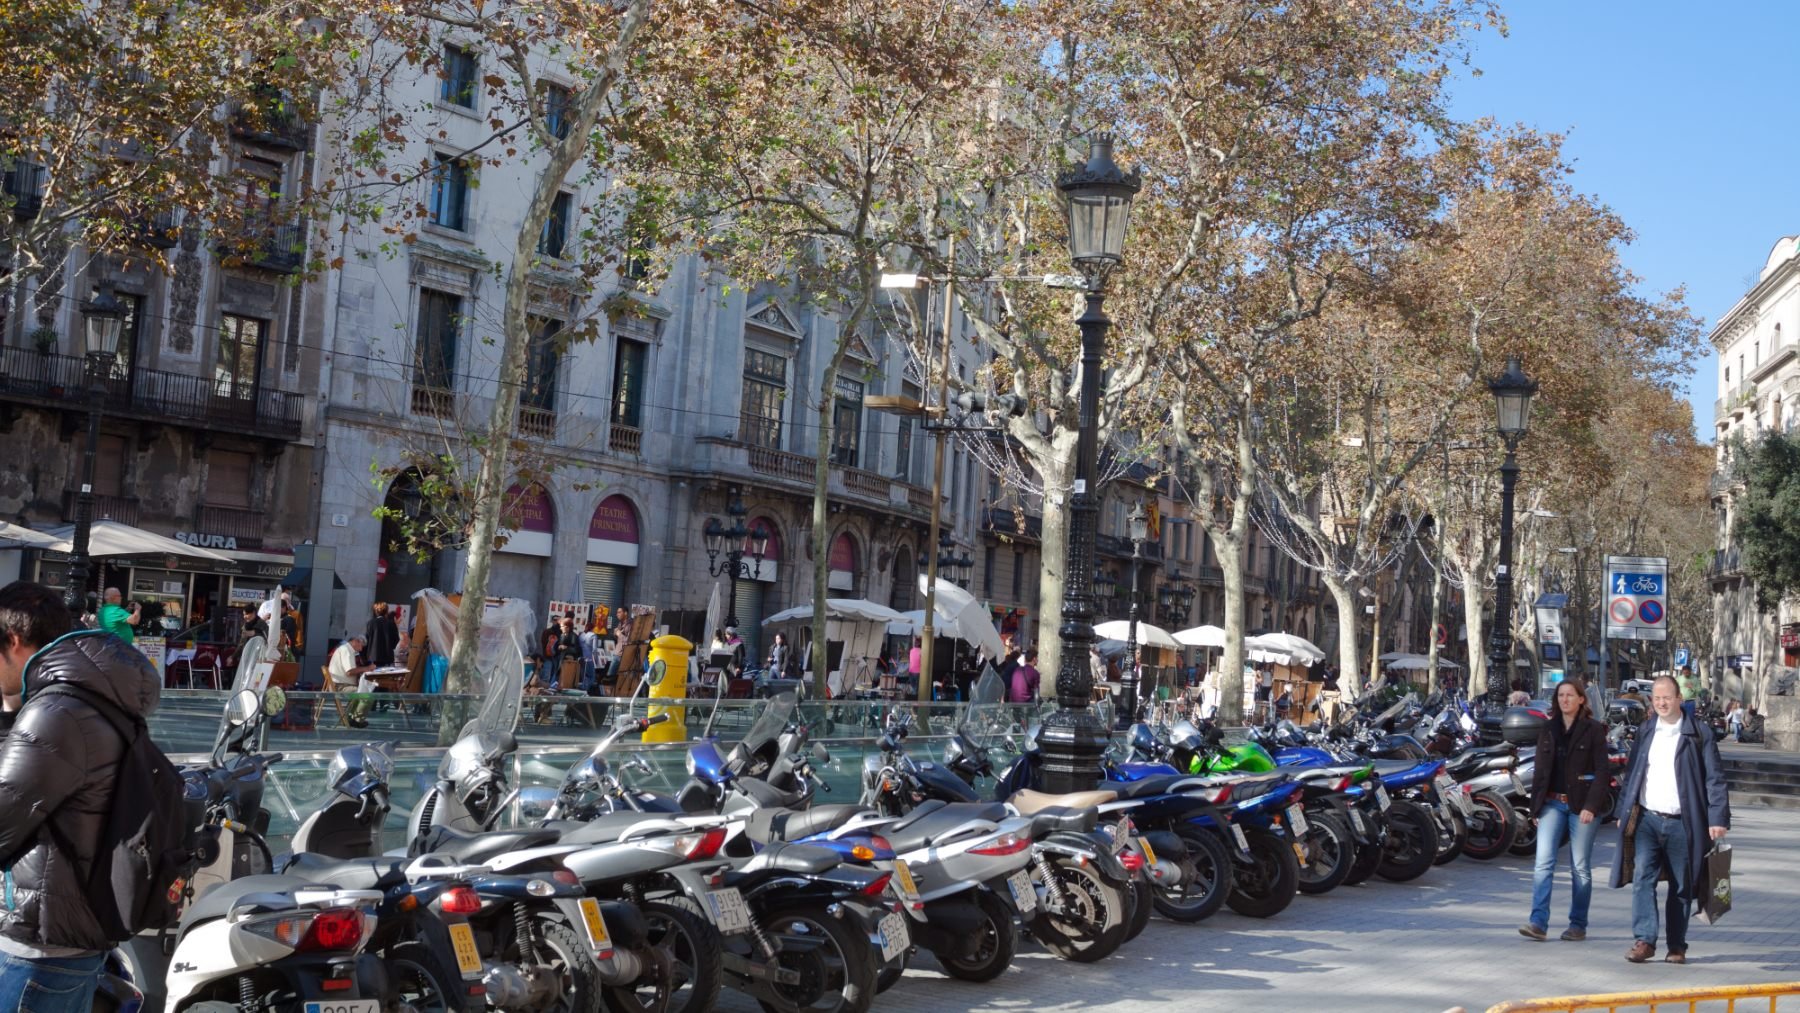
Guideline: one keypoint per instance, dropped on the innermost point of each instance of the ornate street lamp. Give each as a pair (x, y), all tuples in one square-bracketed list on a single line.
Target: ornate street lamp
[(960, 570), (1513, 391), (732, 539), (102, 319), (1098, 198), (1128, 683)]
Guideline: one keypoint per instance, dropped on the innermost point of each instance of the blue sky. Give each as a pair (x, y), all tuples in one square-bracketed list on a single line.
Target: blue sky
[(1678, 115)]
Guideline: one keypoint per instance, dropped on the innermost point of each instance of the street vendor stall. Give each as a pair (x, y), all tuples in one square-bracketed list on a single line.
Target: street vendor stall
[(1291, 657), (854, 632)]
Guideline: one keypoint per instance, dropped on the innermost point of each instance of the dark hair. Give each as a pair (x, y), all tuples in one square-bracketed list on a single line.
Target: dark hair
[(33, 613), (1584, 711), (1031, 654)]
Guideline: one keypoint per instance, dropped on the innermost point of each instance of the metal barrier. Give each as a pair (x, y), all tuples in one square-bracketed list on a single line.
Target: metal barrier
[(1723, 998)]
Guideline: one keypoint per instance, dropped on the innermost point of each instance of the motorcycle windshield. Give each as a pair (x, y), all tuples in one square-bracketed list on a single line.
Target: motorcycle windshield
[(248, 655), (468, 757), (774, 720), (987, 720), (356, 769), (1395, 711)]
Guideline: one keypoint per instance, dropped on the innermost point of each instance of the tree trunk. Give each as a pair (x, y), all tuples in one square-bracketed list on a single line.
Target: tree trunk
[(493, 477), (1231, 659), (1349, 671), (821, 530), (1437, 609), (1473, 600), (1053, 471)]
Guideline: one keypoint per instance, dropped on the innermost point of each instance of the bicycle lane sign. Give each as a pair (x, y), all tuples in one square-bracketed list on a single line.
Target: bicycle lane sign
[(1637, 594)]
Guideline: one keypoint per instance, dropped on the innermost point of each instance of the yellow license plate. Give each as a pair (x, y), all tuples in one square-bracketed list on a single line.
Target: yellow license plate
[(903, 878), (1299, 852), (596, 925), (1149, 852), (468, 958)]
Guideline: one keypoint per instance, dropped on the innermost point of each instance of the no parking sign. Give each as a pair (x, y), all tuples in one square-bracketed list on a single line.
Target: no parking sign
[(1637, 597)]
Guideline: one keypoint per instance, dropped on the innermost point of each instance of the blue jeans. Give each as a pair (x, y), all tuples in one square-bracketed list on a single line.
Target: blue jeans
[(1660, 842), (49, 984), (1555, 823)]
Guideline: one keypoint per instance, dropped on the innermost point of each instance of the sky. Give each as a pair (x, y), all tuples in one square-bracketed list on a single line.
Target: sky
[(1678, 115)]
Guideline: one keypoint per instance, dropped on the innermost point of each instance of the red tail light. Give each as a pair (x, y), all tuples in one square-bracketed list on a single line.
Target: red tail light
[(1540, 715), (1222, 795), (1005, 844), (566, 878), (879, 843), (1132, 859), (460, 900), (1345, 782), (878, 886), (333, 929), (708, 845)]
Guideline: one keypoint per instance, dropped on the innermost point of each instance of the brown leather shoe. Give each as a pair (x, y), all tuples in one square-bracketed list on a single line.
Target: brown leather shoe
[(1676, 958), (1574, 935), (1640, 952), (1532, 932)]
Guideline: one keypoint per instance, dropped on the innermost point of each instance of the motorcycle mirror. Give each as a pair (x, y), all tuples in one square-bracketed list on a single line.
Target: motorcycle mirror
[(820, 754), (243, 708)]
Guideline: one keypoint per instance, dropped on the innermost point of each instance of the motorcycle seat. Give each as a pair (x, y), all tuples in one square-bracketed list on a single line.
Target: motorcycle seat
[(1027, 802), (802, 858), (768, 826), (1385, 767), (345, 873), (604, 829), (477, 848), (922, 826), (1322, 773), (271, 893), (1058, 818)]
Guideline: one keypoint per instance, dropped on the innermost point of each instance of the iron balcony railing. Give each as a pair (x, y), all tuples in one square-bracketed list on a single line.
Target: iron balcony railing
[(60, 381)]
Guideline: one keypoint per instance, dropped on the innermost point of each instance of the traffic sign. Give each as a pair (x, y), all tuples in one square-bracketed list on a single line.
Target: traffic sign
[(1681, 657), (1637, 588)]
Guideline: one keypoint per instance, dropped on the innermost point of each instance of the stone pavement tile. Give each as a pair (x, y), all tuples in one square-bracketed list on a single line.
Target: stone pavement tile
[(1446, 940)]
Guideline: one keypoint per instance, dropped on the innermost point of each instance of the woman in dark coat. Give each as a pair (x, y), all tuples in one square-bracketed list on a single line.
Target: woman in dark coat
[(1568, 794)]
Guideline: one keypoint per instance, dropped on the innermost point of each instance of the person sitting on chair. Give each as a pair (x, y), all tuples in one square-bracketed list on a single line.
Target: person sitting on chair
[(346, 674)]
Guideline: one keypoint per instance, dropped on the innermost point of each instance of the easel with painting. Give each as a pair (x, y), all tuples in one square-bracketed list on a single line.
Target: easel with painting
[(634, 636)]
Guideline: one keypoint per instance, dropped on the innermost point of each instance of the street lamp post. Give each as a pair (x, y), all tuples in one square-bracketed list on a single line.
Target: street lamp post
[(1128, 683), (731, 538), (1512, 401), (1099, 196), (102, 319)]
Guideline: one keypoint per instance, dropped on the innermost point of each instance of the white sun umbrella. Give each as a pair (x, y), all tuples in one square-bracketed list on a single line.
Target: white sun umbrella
[(111, 538), (715, 617), (1201, 636), (1413, 662), (1283, 649), (16, 536), (1147, 635), (963, 617), (838, 608)]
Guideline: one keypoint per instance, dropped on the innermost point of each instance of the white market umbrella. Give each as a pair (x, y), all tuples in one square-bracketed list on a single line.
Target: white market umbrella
[(839, 608), (964, 617), (1283, 649), (1201, 636), (715, 617), (1147, 635), (111, 538), (1404, 662), (15, 536)]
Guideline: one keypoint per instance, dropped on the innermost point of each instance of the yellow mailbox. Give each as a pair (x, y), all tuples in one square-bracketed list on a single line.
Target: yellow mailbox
[(667, 676)]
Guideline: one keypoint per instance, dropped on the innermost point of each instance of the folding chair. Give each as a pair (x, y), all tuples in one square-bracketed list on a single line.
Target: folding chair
[(210, 669), (330, 692)]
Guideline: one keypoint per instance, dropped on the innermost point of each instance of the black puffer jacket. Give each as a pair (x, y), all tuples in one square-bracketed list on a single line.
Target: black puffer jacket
[(59, 762)]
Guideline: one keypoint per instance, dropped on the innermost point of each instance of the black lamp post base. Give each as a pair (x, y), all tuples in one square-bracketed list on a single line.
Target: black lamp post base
[(1071, 742)]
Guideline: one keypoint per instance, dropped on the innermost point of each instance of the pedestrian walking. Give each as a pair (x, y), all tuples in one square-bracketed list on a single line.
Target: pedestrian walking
[(1022, 687), (117, 619), (777, 665), (1734, 720), (1568, 793), (59, 765), (1672, 805), (381, 633)]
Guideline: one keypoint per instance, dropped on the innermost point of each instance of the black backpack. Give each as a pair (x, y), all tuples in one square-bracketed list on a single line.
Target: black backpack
[(138, 881)]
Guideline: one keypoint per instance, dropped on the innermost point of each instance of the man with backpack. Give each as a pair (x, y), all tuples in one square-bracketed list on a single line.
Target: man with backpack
[(70, 698)]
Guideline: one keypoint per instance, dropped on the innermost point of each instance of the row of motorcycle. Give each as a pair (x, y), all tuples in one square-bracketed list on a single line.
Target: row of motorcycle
[(606, 894)]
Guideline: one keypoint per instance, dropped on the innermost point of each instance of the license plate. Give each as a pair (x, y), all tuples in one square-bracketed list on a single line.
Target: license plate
[(1299, 852), (468, 958), (1382, 798), (595, 923), (894, 938), (1243, 842), (1296, 819), (1023, 893), (904, 882), (344, 1006), (1460, 799), (729, 912), (1356, 821), (1444, 784), (1149, 853)]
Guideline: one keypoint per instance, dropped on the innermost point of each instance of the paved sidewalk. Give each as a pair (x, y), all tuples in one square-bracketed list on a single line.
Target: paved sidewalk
[(1445, 940)]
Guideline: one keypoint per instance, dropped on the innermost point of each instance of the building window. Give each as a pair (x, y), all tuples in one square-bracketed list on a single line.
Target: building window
[(987, 572), (239, 361), (846, 423), (541, 362), (765, 387), (556, 228), (450, 194), (458, 88), (1018, 587), (228, 475), (434, 358), (629, 361), (130, 332), (109, 465), (556, 110)]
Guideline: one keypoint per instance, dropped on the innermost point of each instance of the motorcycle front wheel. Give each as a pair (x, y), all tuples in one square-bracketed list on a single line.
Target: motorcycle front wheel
[(1490, 826), (1409, 847), (1330, 852), (1452, 834), (1088, 923), (1205, 878), (694, 952), (1268, 883), (992, 948), (836, 965), (1524, 842)]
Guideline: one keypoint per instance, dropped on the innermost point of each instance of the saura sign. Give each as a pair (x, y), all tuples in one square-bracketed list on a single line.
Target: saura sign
[(205, 541)]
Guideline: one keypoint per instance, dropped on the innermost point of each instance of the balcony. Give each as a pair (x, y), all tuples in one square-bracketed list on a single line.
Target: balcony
[(1006, 521), (781, 464), (59, 381), (24, 184), (123, 509), (1726, 563), (793, 473), (1773, 359), (271, 121), (245, 527), (1120, 548), (433, 401), (160, 230), (626, 440), (866, 484), (537, 423), (282, 248)]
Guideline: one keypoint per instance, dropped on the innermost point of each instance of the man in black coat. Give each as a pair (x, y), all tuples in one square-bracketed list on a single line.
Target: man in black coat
[(58, 765), (1672, 805)]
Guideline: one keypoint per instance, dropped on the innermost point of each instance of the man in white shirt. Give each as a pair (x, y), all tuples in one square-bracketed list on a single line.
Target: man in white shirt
[(346, 671), (1672, 804)]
